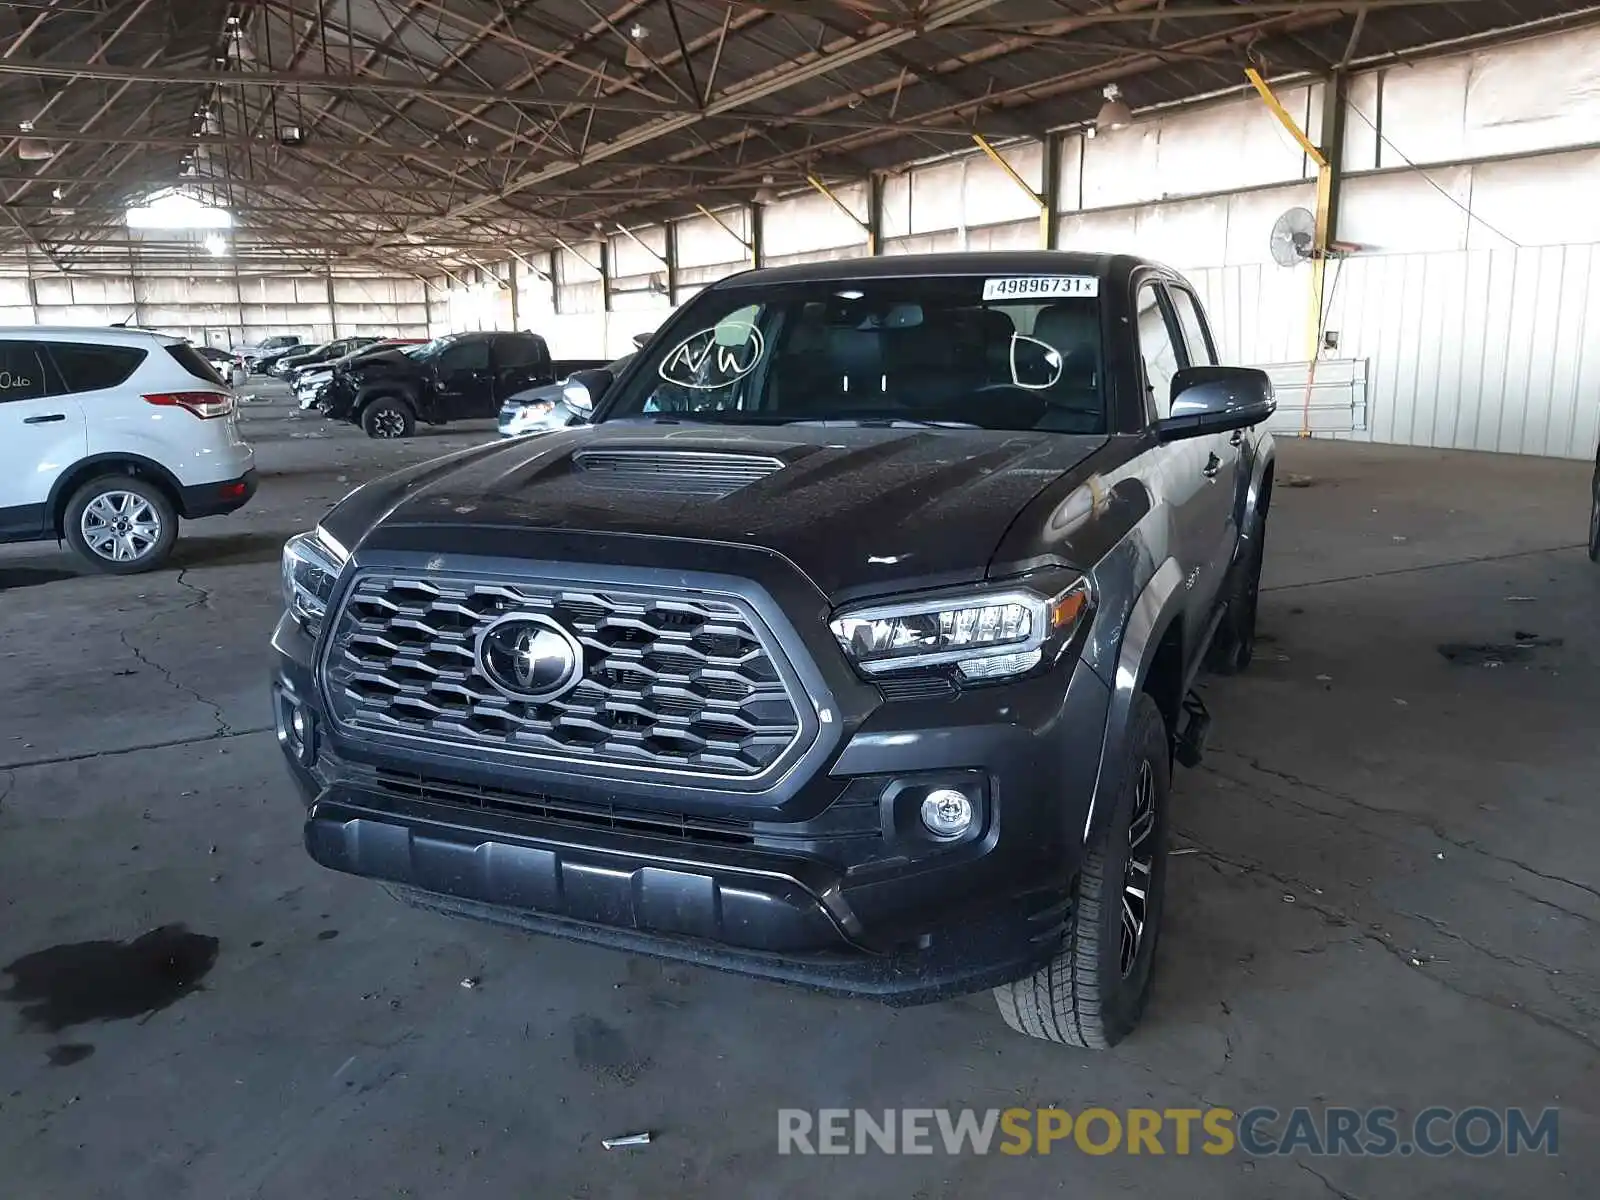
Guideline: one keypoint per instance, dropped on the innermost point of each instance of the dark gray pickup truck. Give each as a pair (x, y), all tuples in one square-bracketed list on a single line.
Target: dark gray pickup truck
[(850, 644)]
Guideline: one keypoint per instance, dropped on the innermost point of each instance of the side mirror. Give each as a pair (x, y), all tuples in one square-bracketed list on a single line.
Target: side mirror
[(1208, 400), (584, 389)]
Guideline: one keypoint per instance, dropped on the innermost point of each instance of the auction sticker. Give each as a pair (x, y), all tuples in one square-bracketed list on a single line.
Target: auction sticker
[(1021, 287)]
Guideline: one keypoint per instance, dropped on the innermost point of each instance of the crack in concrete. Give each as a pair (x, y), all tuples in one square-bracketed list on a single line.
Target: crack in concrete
[(1560, 908), (1438, 566), (1396, 814), (1511, 960), (162, 745), (204, 594), (223, 729), (1337, 1191), (11, 782), (1334, 916)]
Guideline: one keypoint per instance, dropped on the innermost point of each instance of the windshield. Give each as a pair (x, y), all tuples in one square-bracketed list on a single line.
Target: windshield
[(963, 351)]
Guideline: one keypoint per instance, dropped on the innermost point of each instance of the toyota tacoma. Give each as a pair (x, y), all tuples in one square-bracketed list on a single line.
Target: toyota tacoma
[(849, 644)]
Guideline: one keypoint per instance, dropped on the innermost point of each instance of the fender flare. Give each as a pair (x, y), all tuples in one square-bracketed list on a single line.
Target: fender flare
[(107, 463), (1159, 604), (1255, 498)]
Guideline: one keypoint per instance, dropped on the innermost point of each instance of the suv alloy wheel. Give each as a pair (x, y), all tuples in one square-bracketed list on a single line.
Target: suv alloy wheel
[(121, 524)]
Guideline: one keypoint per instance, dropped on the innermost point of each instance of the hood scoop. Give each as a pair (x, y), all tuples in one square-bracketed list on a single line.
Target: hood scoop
[(692, 472)]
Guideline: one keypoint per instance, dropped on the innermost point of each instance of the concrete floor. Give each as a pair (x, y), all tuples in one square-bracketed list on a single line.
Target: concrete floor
[(1391, 899)]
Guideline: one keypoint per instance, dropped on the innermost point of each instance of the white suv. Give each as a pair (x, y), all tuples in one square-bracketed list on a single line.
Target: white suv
[(108, 436)]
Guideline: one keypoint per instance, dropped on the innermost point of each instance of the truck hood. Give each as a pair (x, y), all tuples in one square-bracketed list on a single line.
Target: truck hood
[(861, 511), (384, 362)]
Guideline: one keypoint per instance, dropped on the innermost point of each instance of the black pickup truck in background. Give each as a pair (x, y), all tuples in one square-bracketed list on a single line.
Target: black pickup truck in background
[(454, 378)]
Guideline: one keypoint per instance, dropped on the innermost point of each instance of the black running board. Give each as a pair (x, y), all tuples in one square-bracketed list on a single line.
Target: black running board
[(1193, 725)]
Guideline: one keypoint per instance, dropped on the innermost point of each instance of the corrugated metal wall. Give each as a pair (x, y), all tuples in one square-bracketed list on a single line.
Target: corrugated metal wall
[(1477, 350)]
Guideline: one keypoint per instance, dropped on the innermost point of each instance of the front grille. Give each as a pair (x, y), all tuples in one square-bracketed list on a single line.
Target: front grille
[(700, 472), (685, 827), (680, 683)]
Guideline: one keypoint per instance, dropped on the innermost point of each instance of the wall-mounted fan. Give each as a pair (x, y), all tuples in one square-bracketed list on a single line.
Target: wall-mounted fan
[(1293, 237)]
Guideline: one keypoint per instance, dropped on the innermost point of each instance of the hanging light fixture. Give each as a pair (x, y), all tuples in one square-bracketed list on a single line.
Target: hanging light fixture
[(766, 193), (635, 56), (1114, 113)]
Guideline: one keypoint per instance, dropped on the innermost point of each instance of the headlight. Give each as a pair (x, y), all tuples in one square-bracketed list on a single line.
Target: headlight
[(311, 565), (990, 635)]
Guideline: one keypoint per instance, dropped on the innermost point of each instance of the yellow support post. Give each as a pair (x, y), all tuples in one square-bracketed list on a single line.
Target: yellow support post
[(1319, 246), (1044, 205), (866, 226)]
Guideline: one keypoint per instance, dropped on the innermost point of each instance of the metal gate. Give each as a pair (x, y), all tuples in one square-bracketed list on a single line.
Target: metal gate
[(1333, 399)]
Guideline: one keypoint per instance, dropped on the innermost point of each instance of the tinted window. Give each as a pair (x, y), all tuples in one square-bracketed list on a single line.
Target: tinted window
[(464, 356), (954, 350), (519, 352), (1202, 352), (1157, 347), (195, 363), (22, 371), (87, 368)]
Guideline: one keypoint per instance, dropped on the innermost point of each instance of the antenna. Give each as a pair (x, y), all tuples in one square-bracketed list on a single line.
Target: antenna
[(1292, 238)]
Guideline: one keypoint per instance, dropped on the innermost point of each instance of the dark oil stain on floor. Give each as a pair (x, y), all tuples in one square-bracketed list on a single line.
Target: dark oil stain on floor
[(80, 982), (68, 1053)]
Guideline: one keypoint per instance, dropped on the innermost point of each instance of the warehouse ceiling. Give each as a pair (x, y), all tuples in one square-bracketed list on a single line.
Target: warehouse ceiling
[(417, 133)]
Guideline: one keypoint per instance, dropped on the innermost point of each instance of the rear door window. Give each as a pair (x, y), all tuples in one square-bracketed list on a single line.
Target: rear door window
[(196, 364), (518, 352), (22, 372), (464, 356), (86, 367)]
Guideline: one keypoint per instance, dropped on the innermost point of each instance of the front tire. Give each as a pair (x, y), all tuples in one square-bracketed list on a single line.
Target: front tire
[(1093, 992), (121, 525), (388, 419)]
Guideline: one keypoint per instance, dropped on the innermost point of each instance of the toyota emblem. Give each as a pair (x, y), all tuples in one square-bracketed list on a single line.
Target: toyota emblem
[(530, 657)]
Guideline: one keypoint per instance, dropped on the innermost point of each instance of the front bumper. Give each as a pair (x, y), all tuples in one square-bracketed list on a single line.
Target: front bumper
[(832, 884)]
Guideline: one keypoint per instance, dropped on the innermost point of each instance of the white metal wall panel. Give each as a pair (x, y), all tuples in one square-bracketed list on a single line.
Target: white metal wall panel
[(927, 243), (897, 205), (1534, 95), (628, 257), (1018, 235), (1532, 201), (936, 193), (989, 196), (1258, 311), (802, 224), (582, 297), (1398, 214), (832, 254), (1233, 145), (1477, 350), (697, 277), (1250, 219), (702, 242)]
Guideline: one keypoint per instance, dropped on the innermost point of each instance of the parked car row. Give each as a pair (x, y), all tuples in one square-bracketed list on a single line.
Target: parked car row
[(389, 389)]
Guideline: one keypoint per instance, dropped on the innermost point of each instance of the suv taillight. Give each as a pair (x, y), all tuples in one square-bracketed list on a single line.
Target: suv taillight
[(201, 404)]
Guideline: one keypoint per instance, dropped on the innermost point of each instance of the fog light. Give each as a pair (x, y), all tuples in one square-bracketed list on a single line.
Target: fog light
[(946, 812), (296, 729)]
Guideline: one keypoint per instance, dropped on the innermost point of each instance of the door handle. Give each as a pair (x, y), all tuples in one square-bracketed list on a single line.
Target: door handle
[(1212, 468), (44, 420), (1237, 439)]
